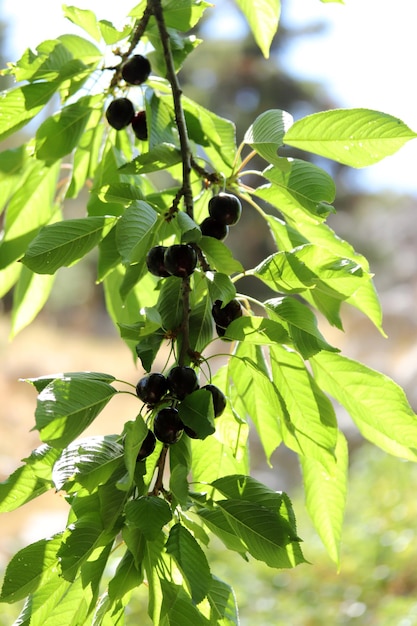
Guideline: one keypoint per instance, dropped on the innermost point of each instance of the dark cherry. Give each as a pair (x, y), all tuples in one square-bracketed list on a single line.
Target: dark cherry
[(147, 447), (120, 113), (139, 125), (182, 380), (152, 388), (219, 399), (167, 425), (180, 260), (155, 261), (136, 70), (211, 227), (224, 316), (226, 208)]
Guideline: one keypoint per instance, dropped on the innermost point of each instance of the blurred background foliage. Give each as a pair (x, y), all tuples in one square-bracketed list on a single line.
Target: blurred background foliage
[(377, 583)]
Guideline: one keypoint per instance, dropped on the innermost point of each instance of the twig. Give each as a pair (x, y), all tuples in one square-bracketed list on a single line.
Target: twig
[(137, 35), (179, 112)]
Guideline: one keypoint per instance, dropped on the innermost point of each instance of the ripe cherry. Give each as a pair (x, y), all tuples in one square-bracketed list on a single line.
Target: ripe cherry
[(180, 260), (182, 380), (167, 425), (136, 70), (211, 227), (226, 208), (224, 316), (152, 388), (219, 399), (147, 447), (139, 125), (120, 113), (155, 261)]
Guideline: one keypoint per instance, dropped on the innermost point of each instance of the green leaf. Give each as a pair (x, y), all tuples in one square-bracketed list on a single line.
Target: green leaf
[(18, 106), (300, 191), (191, 560), (65, 407), (219, 256), (196, 411), (60, 134), (161, 157), (64, 243), (126, 577), (29, 296), (88, 462), (256, 330), (29, 568), (223, 603), (263, 533), (170, 303), (355, 137), (134, 230), (134, 435), (220, 287), (110, 33), (201, 325), (254, 389), (377, 405), (42, 381), (263, 18), (30, 480), (183, 14), (325, 495), (190, 231), (217, 522), (266, 134), (309, 424), (149, 514), (241, 487), (84, 18), (302, 324)]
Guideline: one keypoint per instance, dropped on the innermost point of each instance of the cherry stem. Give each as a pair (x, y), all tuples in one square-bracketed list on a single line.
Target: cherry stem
[(158, 487)]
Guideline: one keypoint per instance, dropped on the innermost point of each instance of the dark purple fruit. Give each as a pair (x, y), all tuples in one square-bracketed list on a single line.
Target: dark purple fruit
[(120, 113), (211, 227), (180, 260), (155, 261), (182, 380), (226, 208), (224, 316), (219, 399), (167, 426), (136, 70), (152, 388), (147, 447), (139, 125)]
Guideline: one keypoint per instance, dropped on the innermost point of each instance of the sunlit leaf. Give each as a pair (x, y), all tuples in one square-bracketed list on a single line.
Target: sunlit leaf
[(377, 405), (263, 17), (355, 137)]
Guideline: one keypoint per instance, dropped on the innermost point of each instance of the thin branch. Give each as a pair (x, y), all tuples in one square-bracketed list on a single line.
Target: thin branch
[(185, 324), (136, 37), (179, 112)]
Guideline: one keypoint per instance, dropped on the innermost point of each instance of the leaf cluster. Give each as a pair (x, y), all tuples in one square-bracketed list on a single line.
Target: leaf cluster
[(280, 371)]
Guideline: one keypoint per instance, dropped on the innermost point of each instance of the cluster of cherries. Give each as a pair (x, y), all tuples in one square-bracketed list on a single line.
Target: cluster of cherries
[(156, 388), (224, 210), (121, 112)]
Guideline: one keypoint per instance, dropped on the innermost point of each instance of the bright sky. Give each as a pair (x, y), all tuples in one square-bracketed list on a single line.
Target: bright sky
[(366, 58)]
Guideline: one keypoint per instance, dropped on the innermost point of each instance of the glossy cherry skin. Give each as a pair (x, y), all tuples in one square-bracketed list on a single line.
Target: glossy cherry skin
[(226, 208), (211, 227), (167, 426), (182, 380), (120, 113), (180, 260), (136, 70), (155, 261), (147, 447), (152, 388)]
